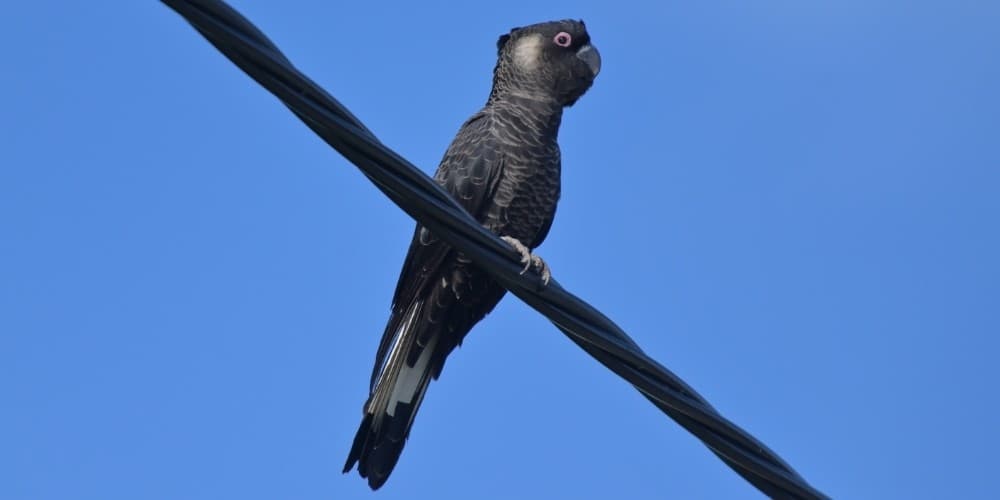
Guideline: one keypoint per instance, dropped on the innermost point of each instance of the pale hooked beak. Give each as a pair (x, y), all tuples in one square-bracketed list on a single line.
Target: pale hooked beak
[(589, 54)]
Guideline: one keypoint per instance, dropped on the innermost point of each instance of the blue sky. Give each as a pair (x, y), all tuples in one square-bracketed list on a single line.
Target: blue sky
[(793, 205)]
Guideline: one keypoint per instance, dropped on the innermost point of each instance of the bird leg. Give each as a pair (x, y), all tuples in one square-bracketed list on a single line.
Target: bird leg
[(529, 259)]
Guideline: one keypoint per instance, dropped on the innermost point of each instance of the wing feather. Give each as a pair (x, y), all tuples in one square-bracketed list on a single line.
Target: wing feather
[(470, 172)]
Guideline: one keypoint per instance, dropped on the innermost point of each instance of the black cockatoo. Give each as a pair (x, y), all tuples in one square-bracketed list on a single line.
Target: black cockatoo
[(503, 168)]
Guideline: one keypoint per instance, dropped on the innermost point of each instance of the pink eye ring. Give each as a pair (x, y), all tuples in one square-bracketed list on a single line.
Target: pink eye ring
[(563, 39)]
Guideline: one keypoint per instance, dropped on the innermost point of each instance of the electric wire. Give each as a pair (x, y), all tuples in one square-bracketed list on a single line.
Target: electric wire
[(420, 197)]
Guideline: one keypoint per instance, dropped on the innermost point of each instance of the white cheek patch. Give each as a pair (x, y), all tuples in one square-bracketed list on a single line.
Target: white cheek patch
[(528, 51)]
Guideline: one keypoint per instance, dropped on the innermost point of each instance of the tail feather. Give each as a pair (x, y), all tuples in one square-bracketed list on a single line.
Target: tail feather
[(393, 403)]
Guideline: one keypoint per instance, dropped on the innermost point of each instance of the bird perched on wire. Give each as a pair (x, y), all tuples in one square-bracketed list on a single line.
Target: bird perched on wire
[(503, 167)]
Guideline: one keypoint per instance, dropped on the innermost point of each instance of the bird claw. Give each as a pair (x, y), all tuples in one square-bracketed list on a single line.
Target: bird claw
[(529, 259)]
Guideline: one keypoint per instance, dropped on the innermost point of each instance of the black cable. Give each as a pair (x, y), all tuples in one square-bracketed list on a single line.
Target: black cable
[(425, 201)]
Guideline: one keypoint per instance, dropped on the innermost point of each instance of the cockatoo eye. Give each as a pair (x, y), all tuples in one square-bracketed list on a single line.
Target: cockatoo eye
[(563, 39)]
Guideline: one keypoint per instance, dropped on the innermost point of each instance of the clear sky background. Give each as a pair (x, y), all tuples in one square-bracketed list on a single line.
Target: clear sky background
[(793, 205)]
